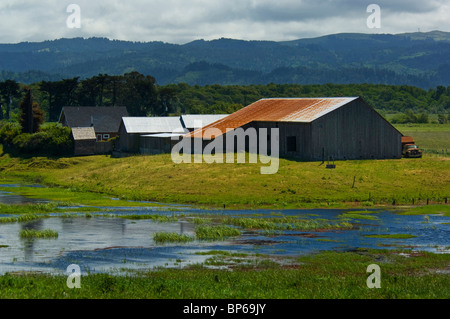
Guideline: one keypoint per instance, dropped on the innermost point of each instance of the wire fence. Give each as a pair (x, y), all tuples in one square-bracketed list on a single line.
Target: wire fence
[(438, 152)]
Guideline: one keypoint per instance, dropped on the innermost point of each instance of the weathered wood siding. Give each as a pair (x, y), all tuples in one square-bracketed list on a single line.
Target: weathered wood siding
[(354, 131), (156, 145), (84, 147), (128, 143)]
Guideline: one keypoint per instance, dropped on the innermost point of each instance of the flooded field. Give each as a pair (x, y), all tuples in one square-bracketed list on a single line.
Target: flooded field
[(107, 242)]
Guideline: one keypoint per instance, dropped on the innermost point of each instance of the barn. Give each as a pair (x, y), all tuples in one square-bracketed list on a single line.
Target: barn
[(195, 121), (154, 135), (133, 130), (104, 119), (313, 129)]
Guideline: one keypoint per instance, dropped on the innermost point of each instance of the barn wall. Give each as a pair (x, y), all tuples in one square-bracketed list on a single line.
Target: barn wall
[(354, 131), (84, 147), (155, 145), (128, 143)]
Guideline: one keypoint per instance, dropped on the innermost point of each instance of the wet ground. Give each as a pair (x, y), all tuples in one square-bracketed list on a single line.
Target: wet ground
[(114, 245)]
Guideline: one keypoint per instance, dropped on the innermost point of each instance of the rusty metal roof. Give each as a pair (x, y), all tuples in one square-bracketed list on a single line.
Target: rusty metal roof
[(303, 110)]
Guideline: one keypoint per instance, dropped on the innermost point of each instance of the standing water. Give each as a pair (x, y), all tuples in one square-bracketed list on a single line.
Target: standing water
[(114, 244)]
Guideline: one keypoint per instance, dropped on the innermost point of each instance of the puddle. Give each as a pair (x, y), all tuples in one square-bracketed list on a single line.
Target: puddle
[(115, 245)]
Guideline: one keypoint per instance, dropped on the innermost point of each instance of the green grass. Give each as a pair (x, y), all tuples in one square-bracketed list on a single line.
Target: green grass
[(328, 275), (364, 214), (393, 236), (154, 217), (171, 237), (33, 233), (219, 232), (284, 223), (432, 138), (94, 180), (427, 209), (22, 218)]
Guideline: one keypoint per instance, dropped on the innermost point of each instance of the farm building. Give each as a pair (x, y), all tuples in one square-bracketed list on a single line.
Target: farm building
[(153, 135), (313, 129), (84, 140), (104, 120), (192, 121), (133, 128)]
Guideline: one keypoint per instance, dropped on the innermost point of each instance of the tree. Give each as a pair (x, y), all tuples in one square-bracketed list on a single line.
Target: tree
[(60, 93), (8, 90), (31, 115)]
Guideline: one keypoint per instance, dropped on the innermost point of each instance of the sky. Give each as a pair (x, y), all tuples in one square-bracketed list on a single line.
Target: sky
[(182, 21)]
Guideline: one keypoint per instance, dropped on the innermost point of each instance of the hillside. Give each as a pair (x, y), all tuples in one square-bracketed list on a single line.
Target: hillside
[(419, 59)]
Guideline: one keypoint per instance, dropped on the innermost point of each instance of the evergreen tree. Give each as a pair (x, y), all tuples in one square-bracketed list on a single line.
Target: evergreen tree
[(31, 115)]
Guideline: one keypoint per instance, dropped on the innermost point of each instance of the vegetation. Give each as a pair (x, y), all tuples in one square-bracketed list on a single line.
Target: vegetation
[(207, 232), (33, 233), (404, 276), (394, 236), (165, 237), (296, 184)]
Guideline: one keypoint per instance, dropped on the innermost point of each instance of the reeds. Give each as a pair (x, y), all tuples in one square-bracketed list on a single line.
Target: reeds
[(171, 237), (33, 233)]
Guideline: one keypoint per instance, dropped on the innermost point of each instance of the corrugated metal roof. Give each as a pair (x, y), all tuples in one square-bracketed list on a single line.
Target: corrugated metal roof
[(278, 110), (148, 125), (83, 133), (164, 135), (189, 120)]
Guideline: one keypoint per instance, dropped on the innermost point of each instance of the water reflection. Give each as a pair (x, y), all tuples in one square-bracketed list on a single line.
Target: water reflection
[(102, 243)]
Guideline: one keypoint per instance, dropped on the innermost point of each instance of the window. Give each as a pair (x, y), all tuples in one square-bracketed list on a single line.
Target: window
[(99, 137), (291, 143), (105, 136)]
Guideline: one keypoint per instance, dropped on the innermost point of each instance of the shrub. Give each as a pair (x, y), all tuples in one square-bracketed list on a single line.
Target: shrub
[(52, 140)]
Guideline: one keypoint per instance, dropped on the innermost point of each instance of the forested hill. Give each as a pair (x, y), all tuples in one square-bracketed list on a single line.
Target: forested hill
[(418, 59)]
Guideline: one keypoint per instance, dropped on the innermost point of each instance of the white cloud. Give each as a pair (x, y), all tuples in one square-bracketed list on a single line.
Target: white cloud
[(181, 21)]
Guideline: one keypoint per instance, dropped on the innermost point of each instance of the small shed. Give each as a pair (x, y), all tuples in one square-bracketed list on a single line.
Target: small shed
[(84, 140)]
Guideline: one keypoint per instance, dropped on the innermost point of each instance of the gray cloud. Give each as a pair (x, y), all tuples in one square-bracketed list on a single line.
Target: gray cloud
[(181, 21)]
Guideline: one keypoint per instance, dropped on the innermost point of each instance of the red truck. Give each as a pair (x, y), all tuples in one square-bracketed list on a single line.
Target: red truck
[(409, 147)]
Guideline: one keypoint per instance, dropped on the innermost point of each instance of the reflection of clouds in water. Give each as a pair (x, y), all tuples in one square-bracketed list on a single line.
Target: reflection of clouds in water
[(102, 243)]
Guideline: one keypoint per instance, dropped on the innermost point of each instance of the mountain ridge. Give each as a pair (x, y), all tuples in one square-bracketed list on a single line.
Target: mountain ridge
[(416, 58)]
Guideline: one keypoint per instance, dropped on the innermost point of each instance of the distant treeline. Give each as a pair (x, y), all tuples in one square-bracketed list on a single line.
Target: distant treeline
[(144, 97)]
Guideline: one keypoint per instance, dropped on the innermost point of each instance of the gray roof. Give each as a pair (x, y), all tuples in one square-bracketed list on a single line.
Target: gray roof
[(190, 120), (104, 119), (83, 133), (148, 125)]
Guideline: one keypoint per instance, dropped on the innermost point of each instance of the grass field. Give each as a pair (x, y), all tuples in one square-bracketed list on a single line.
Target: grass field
[(432, 138), (328, 275), (297, 184)]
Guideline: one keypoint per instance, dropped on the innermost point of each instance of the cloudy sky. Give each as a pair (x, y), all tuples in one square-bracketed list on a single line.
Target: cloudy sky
[(182, 21)]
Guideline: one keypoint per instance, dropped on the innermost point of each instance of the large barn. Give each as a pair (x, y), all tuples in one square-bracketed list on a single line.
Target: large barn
[(314, 129)]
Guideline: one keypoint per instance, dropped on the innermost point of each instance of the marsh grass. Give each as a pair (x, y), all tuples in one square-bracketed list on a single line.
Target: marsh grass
[(393, 236), (358, 215), (171, 237), (285, 223), (154, 217), (427, 209), (326, 275), (217, 232), (33, 233)]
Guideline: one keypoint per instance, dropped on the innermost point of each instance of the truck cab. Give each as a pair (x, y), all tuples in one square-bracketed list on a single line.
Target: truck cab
[(409, 148)]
